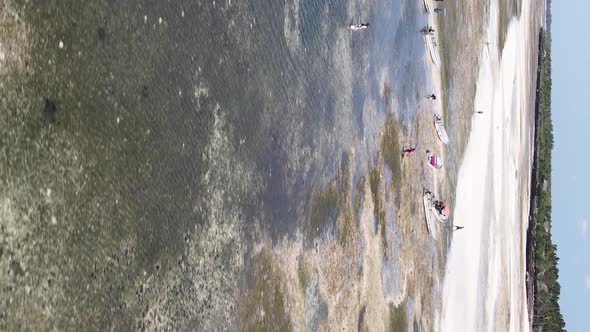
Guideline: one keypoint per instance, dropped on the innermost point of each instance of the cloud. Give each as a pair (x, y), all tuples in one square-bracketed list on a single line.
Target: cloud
[(587, 280), (583, 225)]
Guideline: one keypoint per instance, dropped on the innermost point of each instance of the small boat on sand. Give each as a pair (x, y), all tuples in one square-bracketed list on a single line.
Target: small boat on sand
[(440, 129), (433, 160), (428, 6), (427, 197), (432, 47), (441, 211)]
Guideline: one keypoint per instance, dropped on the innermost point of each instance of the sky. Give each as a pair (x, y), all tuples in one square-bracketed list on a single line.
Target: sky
[(570, 54)]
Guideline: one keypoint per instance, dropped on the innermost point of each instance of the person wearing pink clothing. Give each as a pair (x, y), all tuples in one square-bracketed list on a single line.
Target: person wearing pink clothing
[(407, 152)]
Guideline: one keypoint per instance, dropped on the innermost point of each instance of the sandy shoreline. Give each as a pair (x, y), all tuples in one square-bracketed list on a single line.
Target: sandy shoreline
[(481, 290)]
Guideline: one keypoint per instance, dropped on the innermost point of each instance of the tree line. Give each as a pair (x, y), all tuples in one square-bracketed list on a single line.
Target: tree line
[(546, 311)]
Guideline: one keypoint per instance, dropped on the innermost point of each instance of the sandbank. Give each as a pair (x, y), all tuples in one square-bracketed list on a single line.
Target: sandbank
[(484, 278)]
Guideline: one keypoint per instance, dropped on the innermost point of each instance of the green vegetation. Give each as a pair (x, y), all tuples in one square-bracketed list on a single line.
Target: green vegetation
[(546, 312), (379, 205), (331, 204), (324, 208), (345, 215), (361, 326), (303, 274), (391, 148), (398, 317), (264, 308)]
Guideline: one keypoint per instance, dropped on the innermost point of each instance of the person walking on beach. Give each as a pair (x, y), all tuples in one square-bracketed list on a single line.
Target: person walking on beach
[(431, 97), (456, 228), (479, 112), (427, 30)]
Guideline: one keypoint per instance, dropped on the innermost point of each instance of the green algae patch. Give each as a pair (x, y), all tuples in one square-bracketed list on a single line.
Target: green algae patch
[(358, 198), (303, 274), (398, 317), (361, 326), (331, 204), (390, 147), (263, 304), (345, 225), (323, 208), (379, 205), (374, 179), (360, 192), (345, 214)]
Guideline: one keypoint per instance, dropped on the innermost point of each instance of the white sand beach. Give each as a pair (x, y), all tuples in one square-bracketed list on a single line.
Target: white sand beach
[(484, 279)]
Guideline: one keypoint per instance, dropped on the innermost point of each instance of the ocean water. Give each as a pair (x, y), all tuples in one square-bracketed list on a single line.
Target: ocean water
[(188, 124)]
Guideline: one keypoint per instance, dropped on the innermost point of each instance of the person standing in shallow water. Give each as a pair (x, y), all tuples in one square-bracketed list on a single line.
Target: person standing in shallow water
[(407, 152), (427, 30), (439, 205), (359, 26)]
